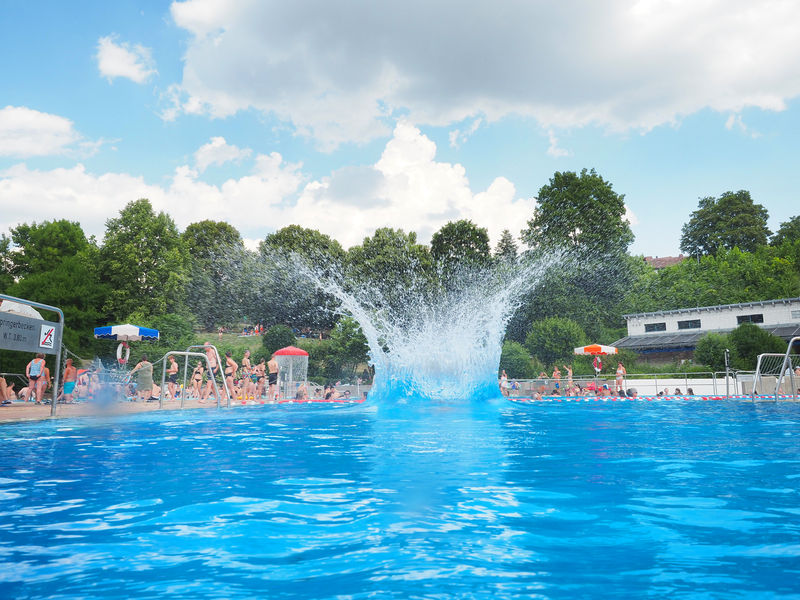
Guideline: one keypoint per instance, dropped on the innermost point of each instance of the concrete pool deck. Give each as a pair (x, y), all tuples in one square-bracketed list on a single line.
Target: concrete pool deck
[(30, 411)]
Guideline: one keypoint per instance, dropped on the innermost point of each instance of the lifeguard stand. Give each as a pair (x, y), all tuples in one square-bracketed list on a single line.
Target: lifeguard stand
[(292, 369)]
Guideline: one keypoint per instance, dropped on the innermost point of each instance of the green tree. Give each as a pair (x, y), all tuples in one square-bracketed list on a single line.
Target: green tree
[(506, 250), (6, 263), (143, 261), (554, 339), (516, 361), (581, 213), (731, 221), (216, 291), (461, 243), (42, 247), (349, 346), (710, 351), (277, 337), (307, 243), (750, 341), (393, 266), (789, 232)]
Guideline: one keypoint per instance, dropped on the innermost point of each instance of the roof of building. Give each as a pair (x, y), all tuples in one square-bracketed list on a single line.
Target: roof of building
[(714, 308), (687, 341), (664, 261)]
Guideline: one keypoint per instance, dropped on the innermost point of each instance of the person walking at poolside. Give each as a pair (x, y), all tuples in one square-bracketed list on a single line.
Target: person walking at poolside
[(230, 370), (621, 373), (144, 380), (556, 377), (248, 383), (272, 379), (172, 377), (35, 373), (212, 375), (70, 380)]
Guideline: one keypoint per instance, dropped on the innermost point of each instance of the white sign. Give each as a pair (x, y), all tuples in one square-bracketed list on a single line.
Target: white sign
[(47, 336)]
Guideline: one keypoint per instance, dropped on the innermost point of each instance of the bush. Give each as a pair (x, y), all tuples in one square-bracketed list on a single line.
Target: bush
[(710, 350), (277, 337), (516, 361), (554, 339), (750, 341)]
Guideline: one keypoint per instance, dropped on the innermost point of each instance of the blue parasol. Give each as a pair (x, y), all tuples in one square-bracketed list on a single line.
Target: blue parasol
[(125, 332)]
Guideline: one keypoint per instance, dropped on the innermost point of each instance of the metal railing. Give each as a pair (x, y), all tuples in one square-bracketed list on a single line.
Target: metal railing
[(187, 354), (220, 370), (786, 365)]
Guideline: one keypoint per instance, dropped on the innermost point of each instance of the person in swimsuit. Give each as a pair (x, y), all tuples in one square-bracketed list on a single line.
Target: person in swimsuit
[(568, 369), (172, 377), (556, 377), (70, 379), (248, 382), (144, 380), (621, 372), (35, 373), (212, 376), (261, 376), (197, 380), (272, 365), (230, 370)]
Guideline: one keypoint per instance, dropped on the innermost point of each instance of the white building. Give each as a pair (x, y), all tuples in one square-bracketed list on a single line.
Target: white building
[(679, 330)]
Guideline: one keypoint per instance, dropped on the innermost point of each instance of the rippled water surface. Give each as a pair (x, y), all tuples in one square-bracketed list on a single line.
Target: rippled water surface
[(687, 500)]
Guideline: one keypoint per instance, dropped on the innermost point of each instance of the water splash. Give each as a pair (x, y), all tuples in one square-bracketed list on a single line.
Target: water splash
[(435, 339)]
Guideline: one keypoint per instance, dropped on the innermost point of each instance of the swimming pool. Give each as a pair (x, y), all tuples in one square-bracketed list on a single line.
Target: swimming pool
[(686, 499)]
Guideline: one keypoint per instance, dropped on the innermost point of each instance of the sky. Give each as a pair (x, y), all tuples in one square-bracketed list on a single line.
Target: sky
[(349, 116)]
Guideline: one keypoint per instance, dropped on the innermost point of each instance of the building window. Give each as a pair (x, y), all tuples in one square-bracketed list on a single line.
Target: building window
[(750, 319), (651, 327), (796, 314), (693, 324)]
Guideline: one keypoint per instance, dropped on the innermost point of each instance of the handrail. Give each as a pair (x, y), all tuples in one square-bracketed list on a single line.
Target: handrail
[(782, 373), (219, 368), (187, 354)]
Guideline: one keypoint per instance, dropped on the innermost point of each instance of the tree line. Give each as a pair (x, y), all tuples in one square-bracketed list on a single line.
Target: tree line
[(146, 271)]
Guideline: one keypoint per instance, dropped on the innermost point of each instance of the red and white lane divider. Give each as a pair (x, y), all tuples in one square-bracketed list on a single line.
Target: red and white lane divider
[(523, 400)]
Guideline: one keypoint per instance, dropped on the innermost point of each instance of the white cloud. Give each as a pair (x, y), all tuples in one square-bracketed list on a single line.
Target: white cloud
[(121, 60), (554, 150), (337, 70), (736, 120), (218, 152), (25, 132), (407, 188), (454, 136)]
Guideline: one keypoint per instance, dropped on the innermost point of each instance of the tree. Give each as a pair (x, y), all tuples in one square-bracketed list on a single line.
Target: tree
[(461, 243), (516, 361), (43, 246), (554, 339), (789, 232), (506, 250), (750, 341), (143, 261), (277, 337), (216, 293), (349, 346), (710, 351), (581, 213), (731, 221), (307, 243), (6, 263), (206, 238)]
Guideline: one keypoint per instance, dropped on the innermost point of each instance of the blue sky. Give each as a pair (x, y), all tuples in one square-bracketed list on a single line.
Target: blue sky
[(361, 115)]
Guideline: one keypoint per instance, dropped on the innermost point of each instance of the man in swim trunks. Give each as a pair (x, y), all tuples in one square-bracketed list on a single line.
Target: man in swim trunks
[(172, 377), (70, 379), (272, 365)]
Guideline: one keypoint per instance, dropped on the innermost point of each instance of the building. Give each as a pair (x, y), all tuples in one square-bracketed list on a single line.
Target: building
[(665, 261), (672, 334)]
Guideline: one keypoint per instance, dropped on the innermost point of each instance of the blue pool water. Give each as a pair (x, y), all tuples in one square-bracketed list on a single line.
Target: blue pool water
[(622, 500)]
